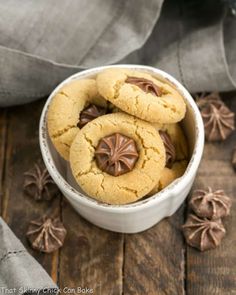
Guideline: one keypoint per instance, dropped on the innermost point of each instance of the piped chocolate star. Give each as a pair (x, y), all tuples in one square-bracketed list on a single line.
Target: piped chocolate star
[(116, 154)]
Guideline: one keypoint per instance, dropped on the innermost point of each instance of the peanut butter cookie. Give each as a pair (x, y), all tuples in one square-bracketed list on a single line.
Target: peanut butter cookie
[(117, 158), (142, 95), (73, 106), (177, 138), (169, 175), (176, 148)]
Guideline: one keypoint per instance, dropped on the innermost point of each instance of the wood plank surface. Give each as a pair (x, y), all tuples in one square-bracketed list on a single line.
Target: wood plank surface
[(22, 152), (91, 257), (214, 272), (154, 259)]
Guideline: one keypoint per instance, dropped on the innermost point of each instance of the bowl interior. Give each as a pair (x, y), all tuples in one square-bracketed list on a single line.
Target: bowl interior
[(60, 170)]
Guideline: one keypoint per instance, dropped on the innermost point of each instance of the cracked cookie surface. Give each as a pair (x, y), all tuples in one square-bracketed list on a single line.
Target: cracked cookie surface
[(128, 187), (169, 107), (64, 112)]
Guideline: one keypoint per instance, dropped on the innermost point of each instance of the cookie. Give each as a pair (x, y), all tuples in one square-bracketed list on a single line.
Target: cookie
[(141, 95), (122, 145), (71, 108), (169, 175), (176, 148), (177, 137)]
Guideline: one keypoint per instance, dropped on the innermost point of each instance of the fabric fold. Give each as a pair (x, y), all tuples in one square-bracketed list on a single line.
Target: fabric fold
[(20, 273), (39, 49), (199, 55), (192, 40), (229, 45)]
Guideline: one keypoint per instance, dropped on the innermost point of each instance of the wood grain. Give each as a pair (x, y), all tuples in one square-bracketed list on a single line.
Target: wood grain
[(154, 259), (214, 272), (22, 152), (91, 257)]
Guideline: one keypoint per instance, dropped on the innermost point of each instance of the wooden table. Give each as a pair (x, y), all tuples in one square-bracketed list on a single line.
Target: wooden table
[(157, 261)]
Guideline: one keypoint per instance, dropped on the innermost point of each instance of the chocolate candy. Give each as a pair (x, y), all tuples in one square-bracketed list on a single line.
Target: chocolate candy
[(202, 233), (46, 234), (90, 113), (116, 154), (169, 147), (39, 184), (217, 117), (146, 85), (210, 204)]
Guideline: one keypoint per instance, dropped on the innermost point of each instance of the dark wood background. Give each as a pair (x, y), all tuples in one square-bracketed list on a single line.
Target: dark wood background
[(157, 261)]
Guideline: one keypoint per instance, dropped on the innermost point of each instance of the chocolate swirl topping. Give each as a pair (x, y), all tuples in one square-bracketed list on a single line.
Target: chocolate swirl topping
[(169, 147), (90, 113), (46, 234), (210, 204), (39, 185), (146, 85), (203, 233), (218, 120), (116, 154)]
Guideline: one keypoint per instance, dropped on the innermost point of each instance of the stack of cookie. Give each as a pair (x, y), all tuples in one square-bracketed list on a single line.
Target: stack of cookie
[(120, 133)]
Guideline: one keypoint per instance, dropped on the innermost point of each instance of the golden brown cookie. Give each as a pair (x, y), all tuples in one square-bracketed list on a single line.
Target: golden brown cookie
[(141, 95), (177, 138), (100, 137), (71, 108), (176, 148), (169, 175)]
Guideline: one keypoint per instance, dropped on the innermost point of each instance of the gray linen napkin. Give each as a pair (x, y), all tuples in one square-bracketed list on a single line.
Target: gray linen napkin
[(195, 41), (19, 272), (203, 61), (43, 42)]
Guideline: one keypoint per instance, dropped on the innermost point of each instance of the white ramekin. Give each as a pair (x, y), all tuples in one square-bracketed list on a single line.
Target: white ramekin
[(139, 216)]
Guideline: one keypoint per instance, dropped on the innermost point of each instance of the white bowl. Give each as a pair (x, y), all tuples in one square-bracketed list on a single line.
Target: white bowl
[(141, 215)]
